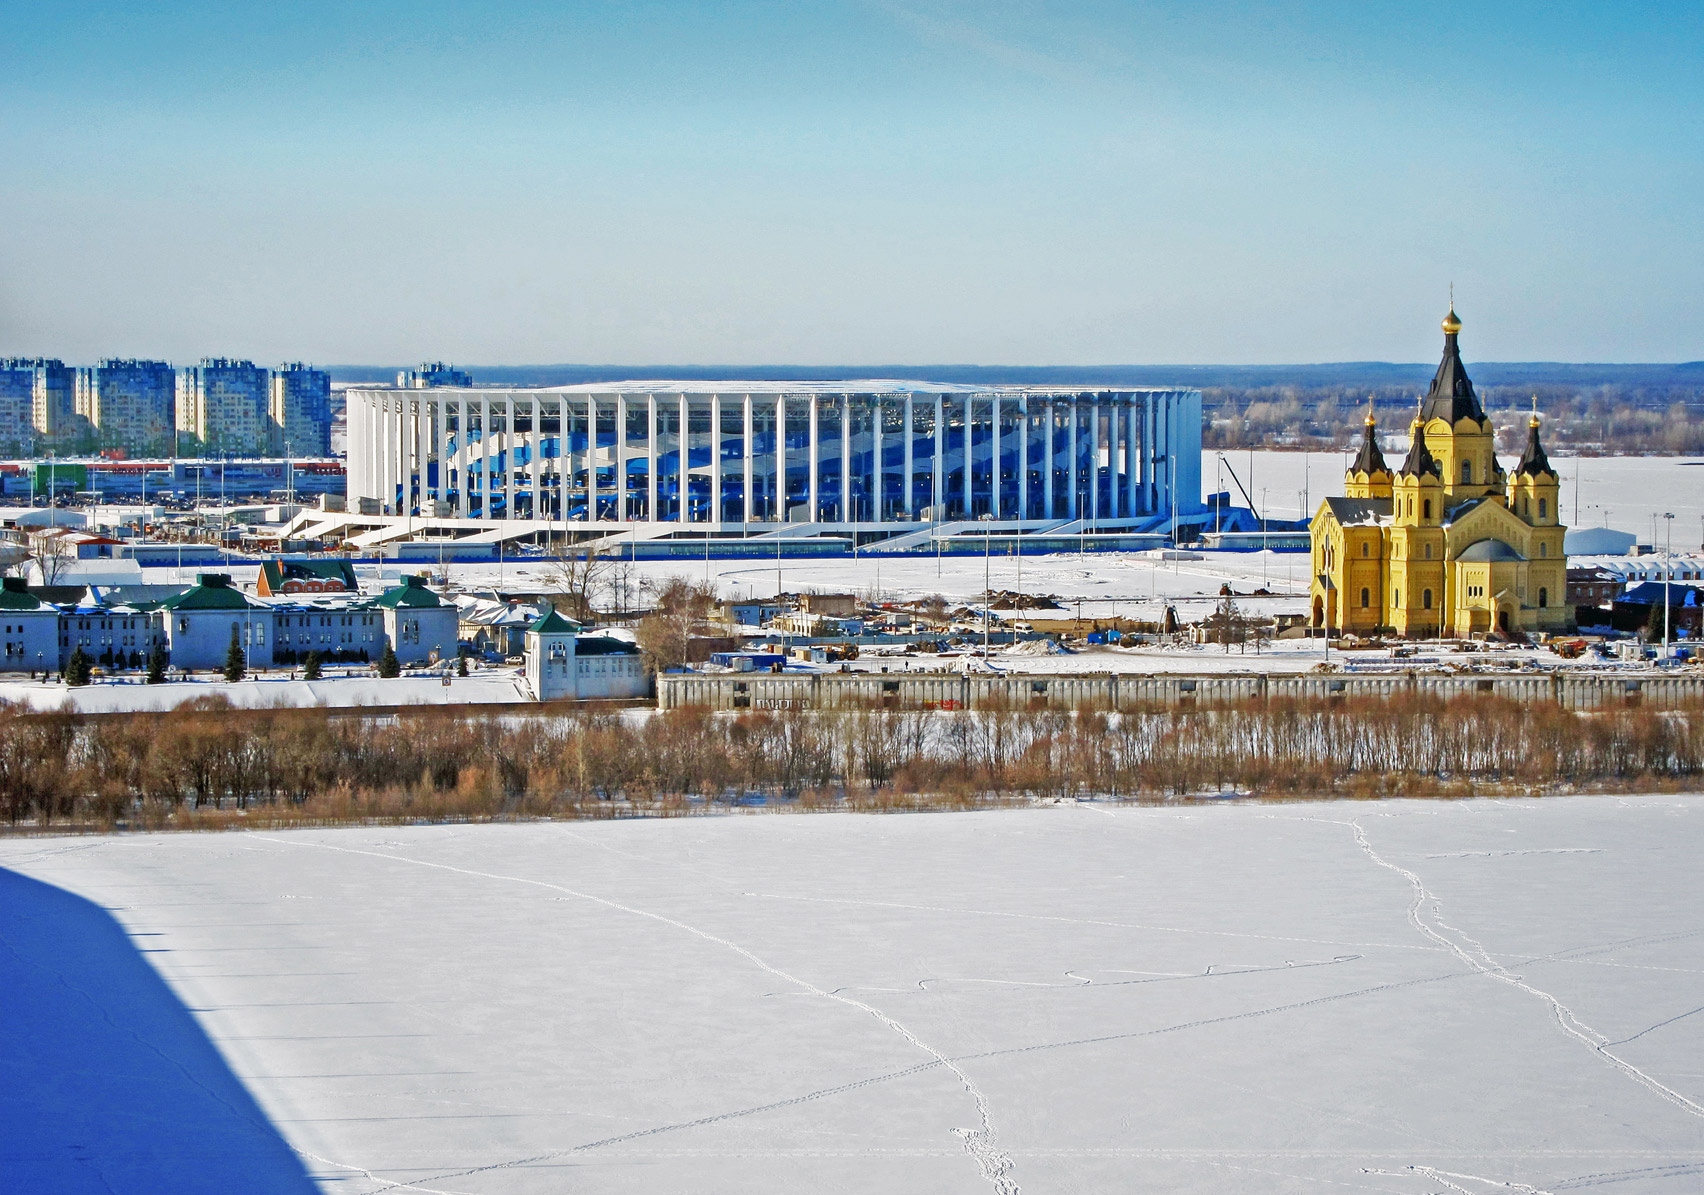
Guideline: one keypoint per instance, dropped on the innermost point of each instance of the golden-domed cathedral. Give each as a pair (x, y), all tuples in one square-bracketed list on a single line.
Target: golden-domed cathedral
[(1447, 545)]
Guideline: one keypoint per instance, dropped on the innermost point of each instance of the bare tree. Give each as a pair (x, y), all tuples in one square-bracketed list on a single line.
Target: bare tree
[(53, 555), (665, 634), (585, 573)]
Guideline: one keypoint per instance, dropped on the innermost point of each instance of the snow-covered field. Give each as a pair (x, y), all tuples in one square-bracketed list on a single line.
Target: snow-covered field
[(484, 687), (1399, 997)]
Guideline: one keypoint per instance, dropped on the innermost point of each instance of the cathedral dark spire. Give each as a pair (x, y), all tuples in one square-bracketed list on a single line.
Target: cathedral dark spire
[(1370, 460), (1533, 461), (1451, 396), (1420, 460)]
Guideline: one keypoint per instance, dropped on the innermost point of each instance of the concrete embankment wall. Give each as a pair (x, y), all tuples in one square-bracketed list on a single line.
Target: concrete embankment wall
[(1573, 690)]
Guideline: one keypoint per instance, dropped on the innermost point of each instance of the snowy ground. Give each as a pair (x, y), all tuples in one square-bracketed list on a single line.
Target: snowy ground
[(1398, 997), (272, 689)]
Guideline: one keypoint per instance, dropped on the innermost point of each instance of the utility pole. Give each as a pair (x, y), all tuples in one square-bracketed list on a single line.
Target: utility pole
[(1668, 573)]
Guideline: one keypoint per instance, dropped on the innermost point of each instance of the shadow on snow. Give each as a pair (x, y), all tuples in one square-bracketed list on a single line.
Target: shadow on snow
[(107, 1083)]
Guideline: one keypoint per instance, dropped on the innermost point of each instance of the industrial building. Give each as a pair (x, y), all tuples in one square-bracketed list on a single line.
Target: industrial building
[(885, 461)]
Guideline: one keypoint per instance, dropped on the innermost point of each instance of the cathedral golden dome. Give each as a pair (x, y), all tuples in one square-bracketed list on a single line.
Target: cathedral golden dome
[(1452, 323)]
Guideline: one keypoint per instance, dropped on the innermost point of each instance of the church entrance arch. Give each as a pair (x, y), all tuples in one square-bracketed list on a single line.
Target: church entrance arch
[(1503, 620), (1319, 612)]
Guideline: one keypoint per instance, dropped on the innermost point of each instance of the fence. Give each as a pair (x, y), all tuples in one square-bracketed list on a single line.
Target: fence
[(1114, 691)]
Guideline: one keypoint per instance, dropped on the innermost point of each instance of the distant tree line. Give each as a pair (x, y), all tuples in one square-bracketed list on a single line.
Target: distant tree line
[(1595, 420), (207, 765)]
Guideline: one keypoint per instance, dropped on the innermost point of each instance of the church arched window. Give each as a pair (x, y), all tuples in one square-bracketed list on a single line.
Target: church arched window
[(1365, 550), (1426, 599), (1466, 471), (1541, 505), (1543, 598), (1366, 597), (1426, 508), (1544, 549), (1428, 551)]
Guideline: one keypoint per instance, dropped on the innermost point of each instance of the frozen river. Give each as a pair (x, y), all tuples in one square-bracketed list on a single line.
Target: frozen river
[(1402, 997)]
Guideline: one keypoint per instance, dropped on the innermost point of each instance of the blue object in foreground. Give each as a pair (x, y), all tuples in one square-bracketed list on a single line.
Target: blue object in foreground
[(107, 1083)]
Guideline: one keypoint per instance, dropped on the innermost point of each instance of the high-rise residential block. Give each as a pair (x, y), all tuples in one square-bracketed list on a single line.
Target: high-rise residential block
[(431, 375), (223, 407), (127, 404), (301, 410), (37, 405)]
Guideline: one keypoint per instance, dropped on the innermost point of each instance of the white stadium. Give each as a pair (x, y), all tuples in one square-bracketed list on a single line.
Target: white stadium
[(891, 462)]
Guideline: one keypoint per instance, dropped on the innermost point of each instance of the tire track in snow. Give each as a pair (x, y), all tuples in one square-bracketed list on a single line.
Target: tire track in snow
[(1162, 929), (1475, 956), (994, 1164)]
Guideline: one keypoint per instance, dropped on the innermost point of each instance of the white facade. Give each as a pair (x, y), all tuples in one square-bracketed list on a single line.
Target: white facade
[(415, 632), (558, 668), (751, 457), (29, 629)]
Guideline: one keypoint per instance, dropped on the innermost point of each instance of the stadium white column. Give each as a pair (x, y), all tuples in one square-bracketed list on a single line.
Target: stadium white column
[(878, 475), (814, 448), (1132, 462), (936, 495), (535, 450), (846, 511), (1094, 459), (619, 452), (651, 458), (1047, 418), (592, 458), (564, 459), (714, 514), (388, 442), (967, 460), (683, 459), (909, 461), (1076, 452), (1023, 457), (746, 453), (780, 458)]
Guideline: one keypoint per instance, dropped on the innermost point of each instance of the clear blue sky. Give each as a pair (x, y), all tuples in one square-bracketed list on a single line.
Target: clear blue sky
[(907, 181)]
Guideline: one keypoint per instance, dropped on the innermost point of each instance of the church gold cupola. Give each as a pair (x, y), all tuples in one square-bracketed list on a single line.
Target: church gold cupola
[(1458, 432)]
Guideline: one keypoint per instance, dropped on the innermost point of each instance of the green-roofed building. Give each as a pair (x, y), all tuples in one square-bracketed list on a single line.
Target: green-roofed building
[(29, 628), (563, 664), (418, 622), (199, 620)]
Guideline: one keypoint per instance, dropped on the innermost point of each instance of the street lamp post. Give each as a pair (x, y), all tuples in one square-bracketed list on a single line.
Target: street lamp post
[(987, 582), (1668, 573)]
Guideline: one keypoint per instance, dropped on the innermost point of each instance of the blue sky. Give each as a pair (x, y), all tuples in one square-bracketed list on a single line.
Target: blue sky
[(869, 181)]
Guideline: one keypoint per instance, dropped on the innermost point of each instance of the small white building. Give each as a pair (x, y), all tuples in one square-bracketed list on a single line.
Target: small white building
[(564, 664), (418, 622), (199, 622), (31, 629)]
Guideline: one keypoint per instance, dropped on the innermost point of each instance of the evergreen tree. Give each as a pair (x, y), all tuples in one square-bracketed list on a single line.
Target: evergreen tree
[(234, 665), (79, 668), (311, 668), (461, 665), (157, 665), (389, 665)]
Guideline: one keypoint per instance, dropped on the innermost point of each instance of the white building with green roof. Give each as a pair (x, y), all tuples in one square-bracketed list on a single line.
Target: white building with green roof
[(418, 622), (563, 664), (198, 623), (30, 626)]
